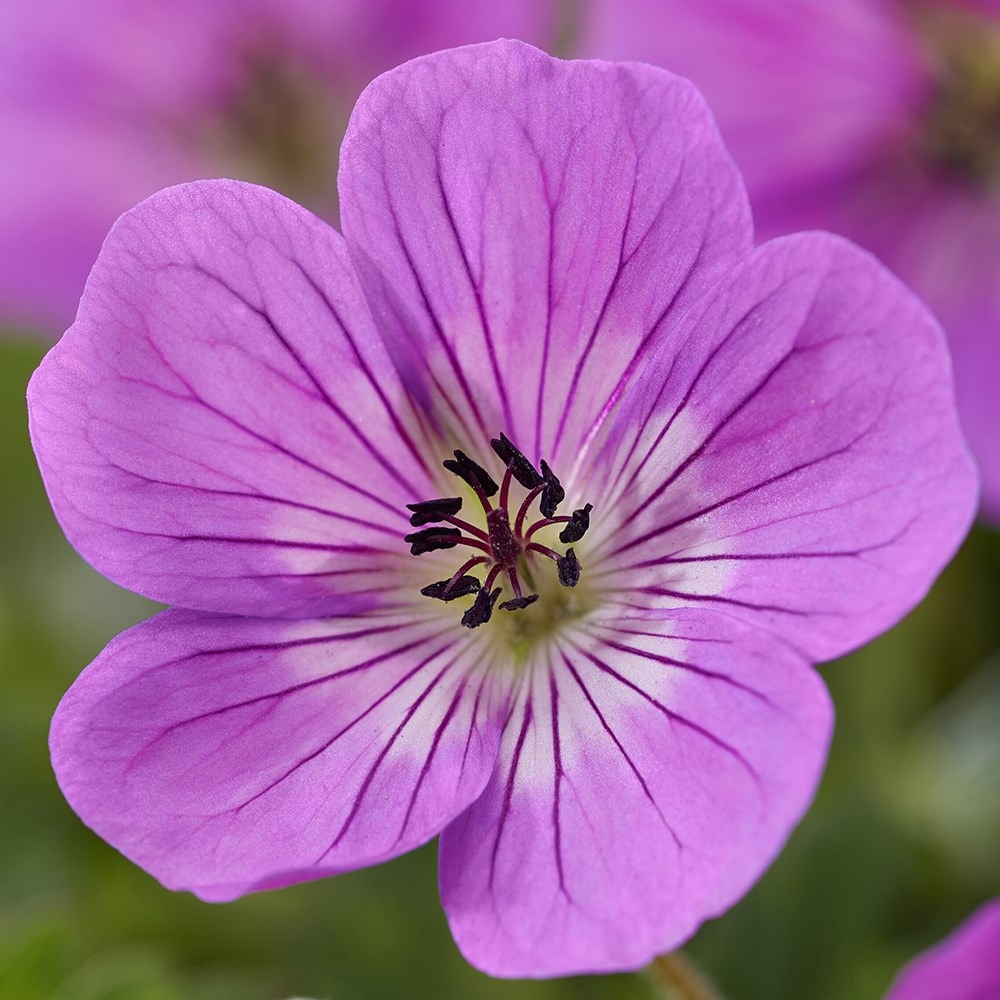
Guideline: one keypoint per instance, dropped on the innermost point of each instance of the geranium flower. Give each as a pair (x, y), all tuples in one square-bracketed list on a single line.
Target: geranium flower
[(965, 966), (516, 513), (104, 102), (872, 118)]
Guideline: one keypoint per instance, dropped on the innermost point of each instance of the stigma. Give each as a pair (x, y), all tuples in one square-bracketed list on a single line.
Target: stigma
[(504, 551)]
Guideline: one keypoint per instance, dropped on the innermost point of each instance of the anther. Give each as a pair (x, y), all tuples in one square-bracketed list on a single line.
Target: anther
[(552, 492), (516, 603), (520, 468), (482, 608), (568, 567), (475, 475), (431, 539), (430, 511), (448, 590), (579, 522)]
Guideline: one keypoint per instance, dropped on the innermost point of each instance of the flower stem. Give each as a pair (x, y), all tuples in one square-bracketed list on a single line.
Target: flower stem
[(676, 977)]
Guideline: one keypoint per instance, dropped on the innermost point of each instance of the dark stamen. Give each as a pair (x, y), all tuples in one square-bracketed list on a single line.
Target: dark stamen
[(475, 475), (520, 468), (431, 539), (506, 548), (448, 590), (430, 511), (552, 492), (515, 604), (482, 608), (568, 567), (502, 541), (579, 522)]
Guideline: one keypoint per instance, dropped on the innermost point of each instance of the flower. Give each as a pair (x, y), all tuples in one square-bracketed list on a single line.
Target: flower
[(103, 103), (546, 307), (965, 966), (872, 118)]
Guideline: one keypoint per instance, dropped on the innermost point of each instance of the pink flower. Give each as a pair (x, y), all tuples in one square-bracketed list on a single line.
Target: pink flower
[(965, 966), (545, 373), (104, 102), (877, 119)]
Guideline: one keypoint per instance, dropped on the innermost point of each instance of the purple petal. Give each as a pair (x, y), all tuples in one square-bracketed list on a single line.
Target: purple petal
[(62, 185), (804, 90), (99, 107), (221, 427), (793, 458), (525, 228), (355, 40), (965, 966), (103, 103), (645, 782), (942, 239), (832, 111), (225, 755)]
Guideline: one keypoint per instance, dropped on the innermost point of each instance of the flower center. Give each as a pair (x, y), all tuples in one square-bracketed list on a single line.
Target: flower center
[(506, 549), (961, 134)]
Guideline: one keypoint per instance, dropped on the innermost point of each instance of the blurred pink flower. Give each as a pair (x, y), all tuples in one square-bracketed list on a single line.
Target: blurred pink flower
[(964, 966), (104, 102), (873, 118), (248, 419)]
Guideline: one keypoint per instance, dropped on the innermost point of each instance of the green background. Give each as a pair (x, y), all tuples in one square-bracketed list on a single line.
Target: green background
[(900, 846)]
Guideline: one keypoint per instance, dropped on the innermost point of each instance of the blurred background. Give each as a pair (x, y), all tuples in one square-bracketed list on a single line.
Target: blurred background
[(102, 103)]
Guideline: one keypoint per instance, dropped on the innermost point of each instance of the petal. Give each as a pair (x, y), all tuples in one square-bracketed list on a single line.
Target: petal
[(965, 966), (62, 184), (645, 782), (225, 755), (803, 90), (941, 238), (961, 287), (358, 39), (97, 113), (824, 106), (221, 427), (526, 227), (794, 458)]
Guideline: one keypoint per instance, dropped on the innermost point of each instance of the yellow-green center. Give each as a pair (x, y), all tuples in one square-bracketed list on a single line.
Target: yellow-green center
[(961, 132)]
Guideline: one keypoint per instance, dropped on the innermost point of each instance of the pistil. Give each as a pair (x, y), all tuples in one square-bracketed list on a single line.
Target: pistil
[(506, 549)]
